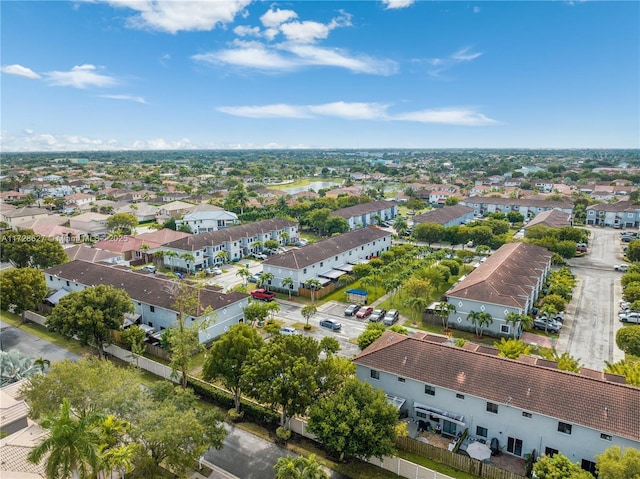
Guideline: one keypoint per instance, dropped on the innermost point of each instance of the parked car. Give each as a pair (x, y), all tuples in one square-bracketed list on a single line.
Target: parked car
[(215, 270), (254, 278), (621, 267), (551, 325), (331, 324), (289, 331), (352, 309), (581, 247), (263, 295), (364, 312), (377, 315), (391, 317), (149, 267), (630, 317), (627, 239), (261, 256)]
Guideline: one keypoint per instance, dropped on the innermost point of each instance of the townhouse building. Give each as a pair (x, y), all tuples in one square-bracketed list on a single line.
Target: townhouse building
[(551, 219), (509, 281), (230, 244), (207, 218), (366, 214), (526, 404), (153, 296), (326, 260), (623, 214), (446, 216), (528, 207)]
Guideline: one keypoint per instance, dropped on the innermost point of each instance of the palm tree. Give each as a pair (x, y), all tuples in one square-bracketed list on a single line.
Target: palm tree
[(516, 319), (480, 320), (71, 447), (367, 281), (265, 278), (417, 305), (256, 246), (170, 254), (188, 258), (287, 283), (222, 256), (144, 247), (241, 197), (313, 284), (42, 364), (244, 273), (444, 310), (299, 468), (285, 237), (550, 311)]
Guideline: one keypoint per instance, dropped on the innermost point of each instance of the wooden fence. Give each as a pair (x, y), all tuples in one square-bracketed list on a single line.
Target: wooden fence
[(457, 461)]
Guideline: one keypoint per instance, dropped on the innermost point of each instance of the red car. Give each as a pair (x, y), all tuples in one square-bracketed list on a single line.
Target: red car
[(364, 312)]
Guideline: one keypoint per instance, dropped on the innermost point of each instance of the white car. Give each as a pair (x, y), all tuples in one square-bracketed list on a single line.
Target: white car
[(631, 317), (214, 270), (621, 267), (289, 331)]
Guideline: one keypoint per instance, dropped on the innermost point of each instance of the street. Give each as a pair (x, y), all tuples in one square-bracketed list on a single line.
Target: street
[(592, 323), (15, 338)]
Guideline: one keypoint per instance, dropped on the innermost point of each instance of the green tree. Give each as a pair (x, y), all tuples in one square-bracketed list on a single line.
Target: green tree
[(372, 332), (22, 288), (515, 217), (24, 249), (336, 225), (91, 314), (629, 369), (559, 466), (617, 463), (417, 305), (123, 222), (256, 312), (299, 468), (288, 284), (512, 348), (244, 273), (284, 373), (517, 322), (308, 312), (628, 339), (444, 310), (429, 232), (479, 320), (357, 421), (565, 361), (631, 292), (227, 356), (71, 447), (134, 336), (184, 340), (361, 270), (265, 279), (400, 225), (481, 235), (633, 251), (314, 285), (451, 201), (415, 204)]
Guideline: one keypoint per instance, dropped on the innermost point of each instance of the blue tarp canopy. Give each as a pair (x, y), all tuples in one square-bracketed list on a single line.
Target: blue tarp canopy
[(358, 292)]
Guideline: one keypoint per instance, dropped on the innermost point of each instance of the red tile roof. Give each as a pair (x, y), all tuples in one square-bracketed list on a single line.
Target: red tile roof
[(593, 402)]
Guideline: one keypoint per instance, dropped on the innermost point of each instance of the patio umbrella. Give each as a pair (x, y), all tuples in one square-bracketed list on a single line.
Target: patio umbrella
[(479, 451)]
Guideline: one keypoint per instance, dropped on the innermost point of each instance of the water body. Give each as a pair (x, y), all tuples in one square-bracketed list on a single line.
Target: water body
[(314, 185)]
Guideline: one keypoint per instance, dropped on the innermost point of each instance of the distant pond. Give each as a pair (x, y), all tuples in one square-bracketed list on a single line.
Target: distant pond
[(314, 185)]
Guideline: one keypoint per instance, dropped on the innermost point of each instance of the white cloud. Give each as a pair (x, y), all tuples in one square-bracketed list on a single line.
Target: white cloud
[(162, 144), (476, 9), (361, 111), (305, 32), (351, 111), (183, 15), (443, 64), (136, 99), (247, 31), (394, 4), (276, 17), (82, 76), (21, 71), (267, 111), (464, 117), (249, 55), (318, 56)]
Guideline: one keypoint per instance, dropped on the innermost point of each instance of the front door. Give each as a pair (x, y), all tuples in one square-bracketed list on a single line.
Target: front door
[(514, 446)]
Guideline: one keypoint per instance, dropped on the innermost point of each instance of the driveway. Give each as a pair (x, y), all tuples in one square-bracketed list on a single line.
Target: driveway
[(249, 457), (15, 338), (593, 317)]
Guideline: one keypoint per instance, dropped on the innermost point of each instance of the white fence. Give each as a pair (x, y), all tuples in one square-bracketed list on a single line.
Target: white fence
[(143, 363), (35, 317)]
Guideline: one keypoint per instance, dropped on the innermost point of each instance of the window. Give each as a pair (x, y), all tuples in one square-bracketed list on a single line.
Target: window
[(401, 380), (50, 278), (492, 408), (482, 431), (549, 451), (589, 466), (514, 446), (505, 328), (321, 264), (68, 283), (152, 309), (430, 390), (606, 437), (150, 324), (304, 271), (421, 415), (460, 396), (375, 374), (526, 414), (564, 428)]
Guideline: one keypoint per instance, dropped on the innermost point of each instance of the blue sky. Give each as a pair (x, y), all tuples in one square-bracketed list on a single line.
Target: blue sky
[(138, 74)]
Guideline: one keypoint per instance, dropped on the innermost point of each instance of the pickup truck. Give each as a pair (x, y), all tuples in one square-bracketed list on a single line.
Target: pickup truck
[(263, 295)]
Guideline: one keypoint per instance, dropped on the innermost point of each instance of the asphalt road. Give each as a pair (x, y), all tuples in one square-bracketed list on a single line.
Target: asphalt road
[(15, 338), (590, 331), (249, 457)]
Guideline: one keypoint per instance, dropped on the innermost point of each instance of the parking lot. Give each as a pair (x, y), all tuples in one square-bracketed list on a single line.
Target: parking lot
[(592, 319)]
